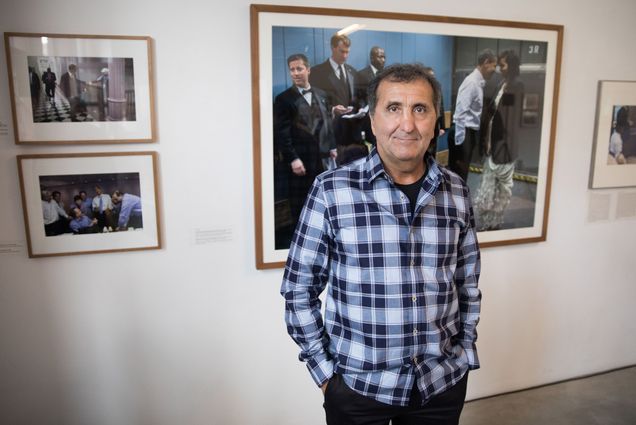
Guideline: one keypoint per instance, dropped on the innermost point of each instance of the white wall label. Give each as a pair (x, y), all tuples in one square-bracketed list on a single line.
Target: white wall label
[(599, 207), (4, 129), (626, 205), (206, 236), (11, 247)]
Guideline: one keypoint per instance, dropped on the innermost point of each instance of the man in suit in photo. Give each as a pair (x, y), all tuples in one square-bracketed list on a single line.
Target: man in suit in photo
[(73, 87), (50, 80), (303, 132), (377, 60), (339, 80)]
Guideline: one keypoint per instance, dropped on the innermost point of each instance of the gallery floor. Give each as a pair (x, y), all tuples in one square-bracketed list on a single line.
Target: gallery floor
[(605, 399)]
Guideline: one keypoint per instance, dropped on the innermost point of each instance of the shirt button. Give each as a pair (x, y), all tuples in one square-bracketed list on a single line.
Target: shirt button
[(414, 360), (412, 262), (414, 331), (414, 298)]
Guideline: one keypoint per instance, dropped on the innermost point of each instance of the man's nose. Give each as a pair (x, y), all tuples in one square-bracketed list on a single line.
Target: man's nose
[(407, 123)]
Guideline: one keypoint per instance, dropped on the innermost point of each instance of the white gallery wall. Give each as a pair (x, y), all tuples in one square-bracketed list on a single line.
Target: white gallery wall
[(193, 333)]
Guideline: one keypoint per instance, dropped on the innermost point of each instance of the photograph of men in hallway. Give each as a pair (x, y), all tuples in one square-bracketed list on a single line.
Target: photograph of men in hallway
[(622, 145), (91, 203), (82, 89), (503, 167)]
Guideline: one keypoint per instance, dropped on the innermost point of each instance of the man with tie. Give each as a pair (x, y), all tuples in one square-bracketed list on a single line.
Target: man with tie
[(302, 132), (102, 209), (338, 79), (377, 59)]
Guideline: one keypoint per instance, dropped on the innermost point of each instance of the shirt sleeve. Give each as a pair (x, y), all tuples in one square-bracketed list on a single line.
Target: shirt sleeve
[(465, 96), (305, 277), (124, 214), (466, 280), (60, 210)]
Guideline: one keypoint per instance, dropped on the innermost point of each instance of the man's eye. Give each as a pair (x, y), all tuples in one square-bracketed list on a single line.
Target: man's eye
[(419, 109), (393, 108)]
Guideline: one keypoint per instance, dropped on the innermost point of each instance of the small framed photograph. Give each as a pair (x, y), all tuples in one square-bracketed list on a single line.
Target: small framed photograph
[(80, 89), (614, 153), (90, 203), (293, 44)]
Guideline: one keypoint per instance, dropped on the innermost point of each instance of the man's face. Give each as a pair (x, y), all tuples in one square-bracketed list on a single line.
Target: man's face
[(299, 73), (403, 121), (116, 199), (487, 69), (340, 53), (503, 67), (57, 197), (378, 59), (82, 195), (78, 202), (72, 69), (98, 190), (77, 213)]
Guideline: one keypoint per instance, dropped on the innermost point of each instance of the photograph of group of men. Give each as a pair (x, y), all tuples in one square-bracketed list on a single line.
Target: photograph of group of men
[(622, 145), (321, 118), (80, 89), (91, 203)]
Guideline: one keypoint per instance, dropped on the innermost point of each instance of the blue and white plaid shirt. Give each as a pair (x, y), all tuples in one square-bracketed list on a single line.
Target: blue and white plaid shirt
[(403, 302)]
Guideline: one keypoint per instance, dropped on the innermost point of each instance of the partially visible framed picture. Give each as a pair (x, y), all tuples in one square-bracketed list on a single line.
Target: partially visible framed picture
[(80, 89), (450, 46), (614, 153), (90, 203)]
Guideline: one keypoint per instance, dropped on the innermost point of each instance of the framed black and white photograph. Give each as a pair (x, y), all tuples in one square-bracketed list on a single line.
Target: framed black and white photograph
[(80, 89), (614, 154), (90, 203), (293, 44)]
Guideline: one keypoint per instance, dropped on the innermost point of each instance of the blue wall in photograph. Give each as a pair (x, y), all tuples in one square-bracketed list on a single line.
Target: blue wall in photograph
[(435, 51)]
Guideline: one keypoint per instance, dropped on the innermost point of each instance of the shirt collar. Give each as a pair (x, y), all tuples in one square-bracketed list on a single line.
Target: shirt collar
[(374, 168), (334, 65), (300, 89)]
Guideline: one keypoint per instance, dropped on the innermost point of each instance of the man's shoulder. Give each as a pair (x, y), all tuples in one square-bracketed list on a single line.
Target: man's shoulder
[(350, 175), (320, 68), (319, 92), (452, 182)]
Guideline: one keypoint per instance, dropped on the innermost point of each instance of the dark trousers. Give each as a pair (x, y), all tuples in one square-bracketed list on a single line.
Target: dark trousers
[(343, 406), (459, 156)]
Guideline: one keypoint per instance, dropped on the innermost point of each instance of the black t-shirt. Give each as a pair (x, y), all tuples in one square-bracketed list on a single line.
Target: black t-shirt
[(411, 191)]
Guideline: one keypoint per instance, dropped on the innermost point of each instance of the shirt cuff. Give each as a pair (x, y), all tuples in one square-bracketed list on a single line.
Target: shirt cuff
[(471, 354), (321, 368)]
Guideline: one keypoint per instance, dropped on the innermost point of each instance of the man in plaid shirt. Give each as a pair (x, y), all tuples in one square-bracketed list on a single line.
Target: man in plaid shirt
[(392, 237)]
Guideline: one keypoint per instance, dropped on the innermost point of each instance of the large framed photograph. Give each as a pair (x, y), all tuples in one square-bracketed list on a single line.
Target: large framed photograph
[(80, 89), (293, 44), (90, 203), (614, 153)]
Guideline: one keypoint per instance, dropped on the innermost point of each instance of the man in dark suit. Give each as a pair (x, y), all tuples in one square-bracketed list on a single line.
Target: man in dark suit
[(365, 75), (377, 59), (303, 132), (72, 87), (339, 80), (49, 79)]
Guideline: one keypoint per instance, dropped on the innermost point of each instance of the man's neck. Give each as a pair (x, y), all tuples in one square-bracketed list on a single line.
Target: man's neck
[(406, 173)]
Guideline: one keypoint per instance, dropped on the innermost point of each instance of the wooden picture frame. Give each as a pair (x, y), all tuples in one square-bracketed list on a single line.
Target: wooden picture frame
[(121, 202), (448, 44), (614, 152), (80, 89)]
